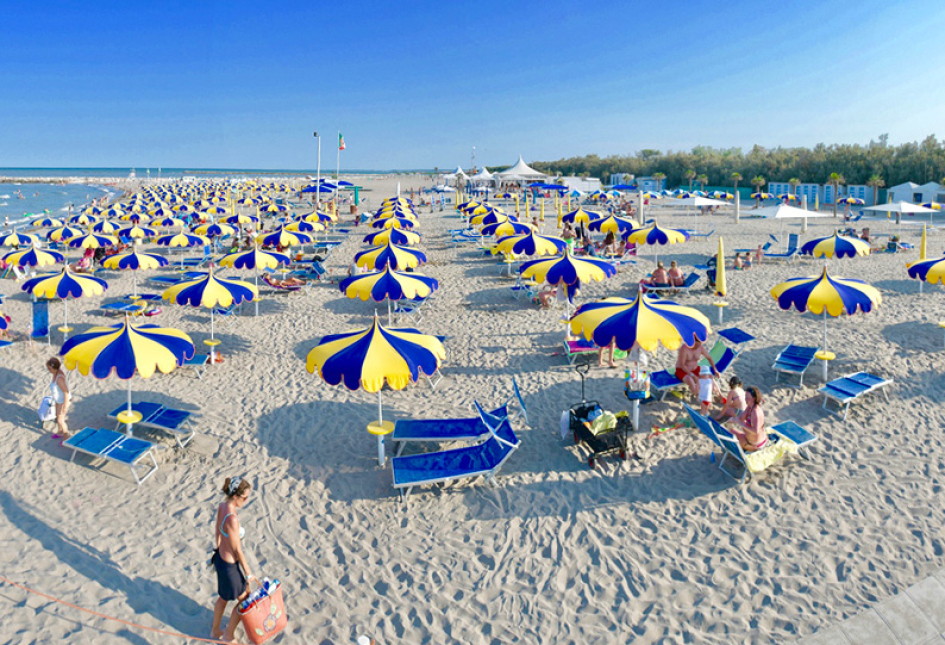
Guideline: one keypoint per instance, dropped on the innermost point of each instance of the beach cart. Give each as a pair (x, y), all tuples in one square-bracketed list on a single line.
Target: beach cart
[(581, 417)]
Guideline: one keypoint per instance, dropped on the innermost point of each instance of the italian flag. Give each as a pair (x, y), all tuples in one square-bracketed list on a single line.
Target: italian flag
[(341, 142)]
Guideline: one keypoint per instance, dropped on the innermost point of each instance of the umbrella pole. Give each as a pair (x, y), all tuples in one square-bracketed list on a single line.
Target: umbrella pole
[(380, 438), (65, 319), (390, 322), (256, 299), (825, 362), (128, 426)]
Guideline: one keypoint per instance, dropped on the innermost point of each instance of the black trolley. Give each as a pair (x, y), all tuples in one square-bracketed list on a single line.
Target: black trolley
[(610, 442)]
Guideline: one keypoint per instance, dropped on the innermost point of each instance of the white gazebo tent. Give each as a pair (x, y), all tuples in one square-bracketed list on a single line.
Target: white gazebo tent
[(899, 208), (786, 211), (695, 201), (521, 171)]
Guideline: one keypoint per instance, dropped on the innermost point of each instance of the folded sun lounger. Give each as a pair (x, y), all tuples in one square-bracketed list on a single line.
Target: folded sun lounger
[(154, 415), (116, 447), (794, 359), (846, 389), (484, 459)]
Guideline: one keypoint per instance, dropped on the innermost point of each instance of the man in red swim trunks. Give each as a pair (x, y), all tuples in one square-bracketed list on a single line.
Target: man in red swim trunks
[(687, 365)]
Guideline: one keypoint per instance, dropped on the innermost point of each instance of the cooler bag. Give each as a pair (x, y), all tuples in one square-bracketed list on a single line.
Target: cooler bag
[(263, 613)]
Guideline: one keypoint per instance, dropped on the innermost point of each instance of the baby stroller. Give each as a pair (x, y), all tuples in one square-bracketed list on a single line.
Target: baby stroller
[(581, 415)]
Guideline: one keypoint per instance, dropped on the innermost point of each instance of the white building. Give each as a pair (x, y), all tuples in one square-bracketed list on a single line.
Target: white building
[(904, 193), (584, 184), (823, 193), (930, 192), (621, 178), (648, 184)]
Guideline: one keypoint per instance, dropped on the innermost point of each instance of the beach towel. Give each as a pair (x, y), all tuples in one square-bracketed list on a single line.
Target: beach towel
[(769, 455)]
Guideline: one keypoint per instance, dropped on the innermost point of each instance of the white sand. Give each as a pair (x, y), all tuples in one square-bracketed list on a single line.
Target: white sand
[(663, 550)]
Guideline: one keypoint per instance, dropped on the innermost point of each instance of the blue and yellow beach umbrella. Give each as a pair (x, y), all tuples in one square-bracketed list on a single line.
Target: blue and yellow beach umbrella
[(64, 285), (580, 216), (653, 234), (303, 226), (125, 350), (106, 227), (530, 244), (612, 224), (47, 222), (644, 321), (507, 228), (788, 197), (135, 262), (87, 220), (18, 239), (320, 217), (828, 295), (92, 241), (390, 255), (851, 201), (762, 195), (394, 221), (836, 245), (211, 292), (137, 232), (567, 269), (367, 358), (283, 238), (167, 222), (63, 234), (255, 259), (33, 257), (388, 285), (393, 236), (931, 271), (492, 217), (215, 230), (242, 219)]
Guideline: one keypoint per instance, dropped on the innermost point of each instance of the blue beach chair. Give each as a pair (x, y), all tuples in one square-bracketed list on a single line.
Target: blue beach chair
[(664, 381), (846, 389), (431, 430), (794, 359), (156, 416), (40, 321), (792, 250), (484, 460), (115, 447)]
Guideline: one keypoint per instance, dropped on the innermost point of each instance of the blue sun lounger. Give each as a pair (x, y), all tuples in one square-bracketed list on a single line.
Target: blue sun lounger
[(792, 250), (774, 451), (463, 429), (794, 359), (484, 459), (846, 389), (664, 381), (122, 308), (116, 447), (154, 415)]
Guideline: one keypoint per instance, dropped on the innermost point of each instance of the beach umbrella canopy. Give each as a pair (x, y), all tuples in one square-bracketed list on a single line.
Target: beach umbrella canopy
[(367, 358), (504, 229), (92, 241), (645, 321), (163, 210), (790, 197), (580, 216), (65, 285), (762, 195), (828, 295), (931, 271), (567, 269), (167, 222), (394, 236), (655, 235), (320, 216), (33, 257), (388, 284), (92, 210), (612, 224), (137, 232), (125, 350), (106, 227), (390, 255), (215, 230), (211, 292), (302, 226), (283, 238), (18, 239), (241, 219), (492, 217), (63, 234), (273, 208), (135, 261), (47, 222), (935, 206), (183, 240), (87, 220), (255, 259), (394, 221), (530, 244), (836, 245), (851, 201)]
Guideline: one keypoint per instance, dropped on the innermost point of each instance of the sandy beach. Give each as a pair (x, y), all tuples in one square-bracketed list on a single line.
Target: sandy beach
[(662, 550)]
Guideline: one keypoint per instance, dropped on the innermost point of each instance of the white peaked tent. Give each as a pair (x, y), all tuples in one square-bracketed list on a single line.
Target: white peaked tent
[(520, 171), (482, 175)]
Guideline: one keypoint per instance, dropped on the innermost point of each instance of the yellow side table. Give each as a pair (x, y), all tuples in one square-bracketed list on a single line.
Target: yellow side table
[(380, 429), (65, 329), (212, 343), (721, 304), (826, 357), (941, 324), (129, 418)]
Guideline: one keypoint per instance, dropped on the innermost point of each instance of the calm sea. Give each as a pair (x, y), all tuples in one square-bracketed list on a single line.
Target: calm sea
[(23, 202)]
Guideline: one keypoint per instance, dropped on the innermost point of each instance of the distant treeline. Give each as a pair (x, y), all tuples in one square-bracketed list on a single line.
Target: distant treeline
[(856, 164)]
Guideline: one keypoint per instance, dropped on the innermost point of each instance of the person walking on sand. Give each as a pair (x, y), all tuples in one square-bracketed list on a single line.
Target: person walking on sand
[(59, 391), (228, 559)]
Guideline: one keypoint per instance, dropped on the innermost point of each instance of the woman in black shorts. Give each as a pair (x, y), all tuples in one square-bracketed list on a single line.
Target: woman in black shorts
[(228, 559)]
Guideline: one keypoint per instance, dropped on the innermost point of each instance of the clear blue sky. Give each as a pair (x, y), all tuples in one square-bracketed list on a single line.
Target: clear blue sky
[(416, 85)]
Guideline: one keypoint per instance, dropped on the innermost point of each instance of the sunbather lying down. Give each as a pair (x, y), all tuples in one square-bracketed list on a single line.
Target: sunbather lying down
[(287, 282)]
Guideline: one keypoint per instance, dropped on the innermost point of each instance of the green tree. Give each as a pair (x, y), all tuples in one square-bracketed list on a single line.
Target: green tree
[(876, 182), (835, 179), (690, 175), (703, 180), (735, 177), (658, 177), (794, 182), (758, 181)]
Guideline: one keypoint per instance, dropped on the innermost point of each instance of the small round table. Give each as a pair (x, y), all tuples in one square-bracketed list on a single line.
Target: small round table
[(941, 324), (212, 344), (65, 329), (826, 357), (129, 418), (721, 304), (380, 429)]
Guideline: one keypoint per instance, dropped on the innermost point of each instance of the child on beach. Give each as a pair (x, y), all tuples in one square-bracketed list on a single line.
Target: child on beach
[(706, 389), (734, 402)]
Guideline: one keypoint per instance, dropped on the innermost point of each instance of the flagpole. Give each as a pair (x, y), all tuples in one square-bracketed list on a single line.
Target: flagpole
[(318, 172), (334, 195)]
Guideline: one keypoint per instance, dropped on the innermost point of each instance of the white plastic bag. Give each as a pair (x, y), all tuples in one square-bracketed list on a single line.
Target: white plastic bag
[(47, 411)]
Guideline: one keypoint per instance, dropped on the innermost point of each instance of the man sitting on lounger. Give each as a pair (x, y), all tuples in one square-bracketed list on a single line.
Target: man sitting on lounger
[(687, 365), (659, 278)]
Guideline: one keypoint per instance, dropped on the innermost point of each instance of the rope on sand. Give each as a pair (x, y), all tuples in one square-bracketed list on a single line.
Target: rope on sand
[(112, 618)]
